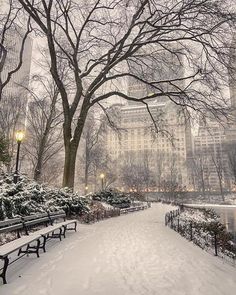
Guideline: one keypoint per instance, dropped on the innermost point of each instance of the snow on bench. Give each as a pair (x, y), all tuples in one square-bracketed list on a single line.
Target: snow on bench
[(24, 224), (12, 246)]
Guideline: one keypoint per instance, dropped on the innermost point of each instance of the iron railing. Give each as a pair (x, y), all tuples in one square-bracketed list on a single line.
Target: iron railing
[(209, 240)]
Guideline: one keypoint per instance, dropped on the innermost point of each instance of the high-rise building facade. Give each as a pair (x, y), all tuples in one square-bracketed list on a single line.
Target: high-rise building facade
[(231, 130), (167, 151), (21, 77), (210, 150)]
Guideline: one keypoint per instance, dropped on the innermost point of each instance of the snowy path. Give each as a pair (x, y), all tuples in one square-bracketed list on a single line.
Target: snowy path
[(127, 255)]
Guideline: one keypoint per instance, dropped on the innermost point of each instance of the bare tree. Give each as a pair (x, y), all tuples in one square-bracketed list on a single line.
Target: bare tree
[(219, 167), (9, 122), (230, 149), (105, 41), (92, 150), (93, 155), (136, 173), (159, 169), (201, 171), (4, 155), (147, 175), (170, 184), (44, 120)]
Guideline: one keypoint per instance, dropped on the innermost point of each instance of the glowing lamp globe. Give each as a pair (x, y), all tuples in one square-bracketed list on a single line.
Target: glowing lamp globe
[(20, 136)]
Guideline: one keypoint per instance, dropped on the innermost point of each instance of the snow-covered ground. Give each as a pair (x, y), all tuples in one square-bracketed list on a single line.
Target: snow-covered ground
[(134, 254)]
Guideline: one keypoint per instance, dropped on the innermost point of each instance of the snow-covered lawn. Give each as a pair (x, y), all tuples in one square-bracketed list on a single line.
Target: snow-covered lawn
[(128, 255)]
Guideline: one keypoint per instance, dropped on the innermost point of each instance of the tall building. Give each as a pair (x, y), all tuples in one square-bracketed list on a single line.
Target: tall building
[(167, 151), (14, 93), (21, 77), (14, 97), (209, 150), (231, 131)]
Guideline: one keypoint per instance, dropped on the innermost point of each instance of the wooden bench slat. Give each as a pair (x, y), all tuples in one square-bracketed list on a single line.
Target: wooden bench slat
[(12, 246), (11, 228), (36, 221), (9, 222), (47, 230), (39, 237), (35, 216), (62, 215)]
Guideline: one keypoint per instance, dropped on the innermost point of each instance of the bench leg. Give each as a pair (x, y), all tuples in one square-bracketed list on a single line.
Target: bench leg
[(3, 274), (60, 234), (31, 249), (57, 236), (72, 228), (19, 252), (44, 243), (64, 231), (37, 247)]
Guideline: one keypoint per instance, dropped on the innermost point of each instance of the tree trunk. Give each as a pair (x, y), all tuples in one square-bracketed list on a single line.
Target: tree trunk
[(69, 166), (203, 189), (39, 164), (221, 189), (38, 168), (71, 147)]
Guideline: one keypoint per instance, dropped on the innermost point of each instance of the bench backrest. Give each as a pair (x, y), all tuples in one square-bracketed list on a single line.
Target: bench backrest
[(9, 222), (34, 216), (23, 223), (57, 215), (14, 224)]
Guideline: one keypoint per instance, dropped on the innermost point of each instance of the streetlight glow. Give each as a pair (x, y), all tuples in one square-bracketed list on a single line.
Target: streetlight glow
[(20, 135), (102, 176)]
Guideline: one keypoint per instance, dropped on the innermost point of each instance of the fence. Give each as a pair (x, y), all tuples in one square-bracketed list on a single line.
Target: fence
[(135, 208), (96, 216), (209, 240)]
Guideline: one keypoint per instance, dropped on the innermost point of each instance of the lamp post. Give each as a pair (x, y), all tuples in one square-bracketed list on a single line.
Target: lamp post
[(102, 176), (19, 137), (86, 190)]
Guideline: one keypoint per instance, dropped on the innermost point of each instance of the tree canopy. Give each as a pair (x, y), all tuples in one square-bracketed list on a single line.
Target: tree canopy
[(175, 49)]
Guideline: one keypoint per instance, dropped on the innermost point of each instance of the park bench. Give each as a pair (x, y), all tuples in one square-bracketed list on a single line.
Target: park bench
[(29, 239)]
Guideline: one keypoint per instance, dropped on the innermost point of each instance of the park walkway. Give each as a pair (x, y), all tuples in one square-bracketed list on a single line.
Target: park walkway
[(128, 255)]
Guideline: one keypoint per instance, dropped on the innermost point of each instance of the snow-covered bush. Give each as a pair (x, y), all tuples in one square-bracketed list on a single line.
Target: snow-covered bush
[(28, 197), (205, 229), (113, 197)]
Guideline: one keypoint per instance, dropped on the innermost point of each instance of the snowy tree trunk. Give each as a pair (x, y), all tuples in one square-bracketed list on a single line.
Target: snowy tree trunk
[(71, 146), (40, 156), (69, 166)]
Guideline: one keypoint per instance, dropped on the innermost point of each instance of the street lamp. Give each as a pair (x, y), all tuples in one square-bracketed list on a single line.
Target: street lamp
[(102, 176), (19, 137), (86, 190)]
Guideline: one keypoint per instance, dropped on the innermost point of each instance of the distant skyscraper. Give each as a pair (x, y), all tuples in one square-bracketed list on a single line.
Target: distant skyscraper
[(209, 145), (13, 104), (21, 77), (14, 95), (139, 139), (231, 131)]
